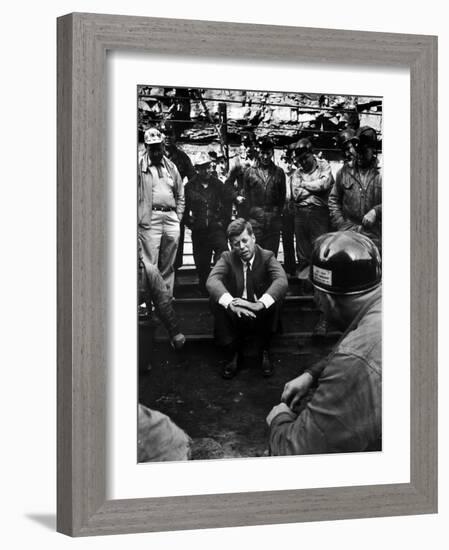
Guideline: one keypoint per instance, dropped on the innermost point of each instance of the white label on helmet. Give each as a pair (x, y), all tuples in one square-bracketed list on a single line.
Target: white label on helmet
[(323, 276)]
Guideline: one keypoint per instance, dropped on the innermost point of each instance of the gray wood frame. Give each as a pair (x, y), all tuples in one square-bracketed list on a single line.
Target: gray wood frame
[(83, 40)]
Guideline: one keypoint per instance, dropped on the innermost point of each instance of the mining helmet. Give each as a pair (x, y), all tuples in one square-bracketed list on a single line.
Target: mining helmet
[(345, 262), (248, 139), (202, 159), (302, 147), (153, 136), (265, 144), (346, 136), (367, 136)]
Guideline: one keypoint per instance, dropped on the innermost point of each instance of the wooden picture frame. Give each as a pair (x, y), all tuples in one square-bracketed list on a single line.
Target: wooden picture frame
[(83, 40)]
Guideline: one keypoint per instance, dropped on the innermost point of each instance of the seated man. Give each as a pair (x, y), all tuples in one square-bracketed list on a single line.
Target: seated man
[(342, 412), (246, 286)]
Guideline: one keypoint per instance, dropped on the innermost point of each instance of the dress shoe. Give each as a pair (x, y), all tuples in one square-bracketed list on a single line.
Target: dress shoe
[(267, 365), (178, 341), (230, 369)]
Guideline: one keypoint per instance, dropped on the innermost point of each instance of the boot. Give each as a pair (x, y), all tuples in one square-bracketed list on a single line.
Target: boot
[(230, 369), (267, 365)]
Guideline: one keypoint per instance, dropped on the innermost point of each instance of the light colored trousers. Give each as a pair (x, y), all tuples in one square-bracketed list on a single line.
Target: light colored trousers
[(160, 242)]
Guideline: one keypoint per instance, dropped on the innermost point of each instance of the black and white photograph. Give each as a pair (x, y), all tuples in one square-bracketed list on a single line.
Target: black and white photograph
[(207, 360), (259, 273)]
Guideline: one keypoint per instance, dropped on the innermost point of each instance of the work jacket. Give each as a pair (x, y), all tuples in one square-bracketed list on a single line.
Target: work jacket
[(264, 192), (205, 205), (350, 199), (153, 290), (311, 188), (344, 413)]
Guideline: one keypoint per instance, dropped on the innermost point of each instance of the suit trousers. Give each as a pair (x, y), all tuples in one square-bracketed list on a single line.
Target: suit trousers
[(160, 242), (242, 334)]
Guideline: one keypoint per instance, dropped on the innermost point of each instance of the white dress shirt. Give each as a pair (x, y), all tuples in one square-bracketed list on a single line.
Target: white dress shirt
[(265, 299)]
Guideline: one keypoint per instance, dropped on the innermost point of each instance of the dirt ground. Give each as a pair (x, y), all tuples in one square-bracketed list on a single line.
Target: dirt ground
[(225, 418)]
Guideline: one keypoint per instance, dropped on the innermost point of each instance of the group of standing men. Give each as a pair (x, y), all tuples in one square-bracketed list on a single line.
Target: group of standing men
[(247, 283), (301, 200)]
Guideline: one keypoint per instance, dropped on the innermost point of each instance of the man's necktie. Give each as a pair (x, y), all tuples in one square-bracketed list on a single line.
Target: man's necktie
[(249, 283)]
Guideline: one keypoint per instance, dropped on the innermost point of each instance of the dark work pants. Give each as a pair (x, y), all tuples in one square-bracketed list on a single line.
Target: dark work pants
[(268, 233), (180, 251), (247, 336), (310, 223), (205, 243), (288, 241)]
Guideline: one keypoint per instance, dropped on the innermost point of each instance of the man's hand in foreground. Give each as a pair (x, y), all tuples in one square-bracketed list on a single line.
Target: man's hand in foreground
[(369, 218), (278, 409), (296, 389)]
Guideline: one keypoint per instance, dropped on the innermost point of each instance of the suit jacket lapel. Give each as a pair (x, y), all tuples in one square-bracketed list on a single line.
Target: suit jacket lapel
[(257, 261)]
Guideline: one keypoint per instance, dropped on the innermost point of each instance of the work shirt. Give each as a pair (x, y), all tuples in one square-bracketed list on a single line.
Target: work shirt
[(238, 165), (312, 188), (145, 177), (344, 413), (264, 189), (234, 185), (355, 193), (163, 188)]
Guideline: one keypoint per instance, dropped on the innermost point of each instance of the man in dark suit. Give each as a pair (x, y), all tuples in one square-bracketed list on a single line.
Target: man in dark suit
[(246, 287)]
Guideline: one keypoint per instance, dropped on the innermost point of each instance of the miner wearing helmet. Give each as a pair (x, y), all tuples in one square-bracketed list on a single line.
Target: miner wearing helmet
[(335, 406), (264, 191), (310, 184), (205, 215), (347, 141), (160, 206), (355, 201), (246, 157)]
